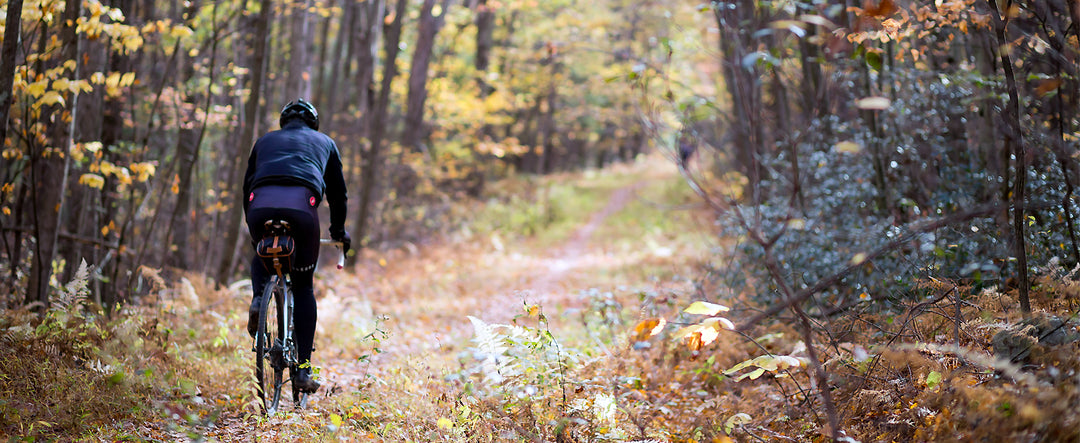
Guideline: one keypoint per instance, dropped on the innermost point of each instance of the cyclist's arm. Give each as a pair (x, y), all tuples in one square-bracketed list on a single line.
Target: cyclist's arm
[(248, 176), (336, 195)]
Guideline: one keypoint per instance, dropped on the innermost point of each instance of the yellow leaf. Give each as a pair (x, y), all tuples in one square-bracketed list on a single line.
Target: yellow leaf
[(707, 335), (718, 323), (382, 262), (532, 310), (847, 147), (62, 84), (7, 210), (705, 308), (113, 80), (335, 420), (444, 423), (180, 32), (873, 103), (858, 259), (92, 180), (127, 79), (37, 88)]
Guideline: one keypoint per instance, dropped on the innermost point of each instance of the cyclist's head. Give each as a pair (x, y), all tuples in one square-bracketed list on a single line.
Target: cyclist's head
[(300, 109)]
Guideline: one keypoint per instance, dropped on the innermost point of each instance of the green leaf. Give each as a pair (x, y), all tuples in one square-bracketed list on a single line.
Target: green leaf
[(116, 378), (735, 420), (873, 59), (933, 379)]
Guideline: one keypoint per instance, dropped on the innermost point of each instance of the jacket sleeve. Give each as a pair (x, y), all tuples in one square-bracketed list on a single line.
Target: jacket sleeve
[(336, 195), (248, 177)]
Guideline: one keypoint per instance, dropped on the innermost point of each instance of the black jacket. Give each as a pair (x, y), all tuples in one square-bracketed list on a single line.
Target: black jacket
[(298, 155)]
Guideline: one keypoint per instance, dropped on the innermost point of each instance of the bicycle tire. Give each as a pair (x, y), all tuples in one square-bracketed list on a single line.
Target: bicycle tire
[(268, 345)]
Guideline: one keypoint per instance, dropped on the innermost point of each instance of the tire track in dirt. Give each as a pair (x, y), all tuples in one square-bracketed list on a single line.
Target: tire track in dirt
[(575, 252), (545, 283)]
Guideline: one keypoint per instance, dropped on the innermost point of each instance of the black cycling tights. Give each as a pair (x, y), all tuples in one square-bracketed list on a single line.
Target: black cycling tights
[(297, 205)]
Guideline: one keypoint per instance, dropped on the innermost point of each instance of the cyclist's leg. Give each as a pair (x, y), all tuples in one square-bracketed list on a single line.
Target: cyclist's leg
[(259, 278), (305, 314)]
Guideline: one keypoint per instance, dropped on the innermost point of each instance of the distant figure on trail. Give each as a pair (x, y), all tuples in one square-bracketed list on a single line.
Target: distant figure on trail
[(289, 171)]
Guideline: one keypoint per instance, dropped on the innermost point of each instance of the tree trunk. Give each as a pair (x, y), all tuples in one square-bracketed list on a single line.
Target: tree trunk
[(324, 44), (742, 84), (7, 59), (428, 28), (298, 80), (342, 54), (547, 123), (49, 167), (373, 168), (371, 15), (485, 31), (179, 251), (1014, 144), (247, 137)]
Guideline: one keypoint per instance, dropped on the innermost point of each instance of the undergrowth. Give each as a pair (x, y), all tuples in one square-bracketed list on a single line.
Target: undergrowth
[(159, 370), (629, 355)]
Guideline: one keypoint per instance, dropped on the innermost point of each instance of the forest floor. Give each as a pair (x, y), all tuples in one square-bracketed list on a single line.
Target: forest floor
[(395, 344), (554, 312), (414, 305)]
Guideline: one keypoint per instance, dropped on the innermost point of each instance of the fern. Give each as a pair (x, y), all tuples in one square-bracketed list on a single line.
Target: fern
[(75, 292), (517, 360)]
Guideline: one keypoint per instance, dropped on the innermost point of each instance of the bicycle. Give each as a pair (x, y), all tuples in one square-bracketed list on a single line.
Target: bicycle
[(274, 346)]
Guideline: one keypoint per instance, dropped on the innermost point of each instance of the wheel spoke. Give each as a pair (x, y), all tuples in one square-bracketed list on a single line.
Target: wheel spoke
[(268, 349)]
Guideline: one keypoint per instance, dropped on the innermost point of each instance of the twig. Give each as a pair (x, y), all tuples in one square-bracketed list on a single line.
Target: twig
[(880, 251)]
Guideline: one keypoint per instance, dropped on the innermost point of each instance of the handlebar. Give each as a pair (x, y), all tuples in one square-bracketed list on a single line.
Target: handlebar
[(341, 259)]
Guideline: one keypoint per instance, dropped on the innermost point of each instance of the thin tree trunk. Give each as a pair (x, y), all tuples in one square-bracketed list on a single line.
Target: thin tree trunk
[(324, 44), (1014, 144), (50, 169), (339, 56), (298, 80), (247, 137), (371, 15), (414, 131), (485, 31), (373, 168), (7, 60)]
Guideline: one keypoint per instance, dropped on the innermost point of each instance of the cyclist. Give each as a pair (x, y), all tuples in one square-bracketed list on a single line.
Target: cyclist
[(289, 170)]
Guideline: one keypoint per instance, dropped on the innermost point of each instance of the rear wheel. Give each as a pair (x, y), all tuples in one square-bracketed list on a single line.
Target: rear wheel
[(270, 363)]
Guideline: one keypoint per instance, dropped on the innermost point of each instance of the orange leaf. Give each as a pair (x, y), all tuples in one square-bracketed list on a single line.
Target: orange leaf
[(1047, 86), (648, 328), (883, 9), (693, 341)]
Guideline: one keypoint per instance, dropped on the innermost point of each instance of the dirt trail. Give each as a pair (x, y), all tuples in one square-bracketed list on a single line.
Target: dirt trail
[(430, 324)]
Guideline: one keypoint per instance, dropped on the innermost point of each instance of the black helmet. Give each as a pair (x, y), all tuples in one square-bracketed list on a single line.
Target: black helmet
[(300, 109)]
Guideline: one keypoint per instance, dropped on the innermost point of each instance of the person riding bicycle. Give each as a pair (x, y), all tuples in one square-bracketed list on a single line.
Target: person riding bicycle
[(289, 170)]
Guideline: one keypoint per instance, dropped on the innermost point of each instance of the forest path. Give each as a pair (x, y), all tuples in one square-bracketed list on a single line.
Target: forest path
[(431, 324), (419, 300)]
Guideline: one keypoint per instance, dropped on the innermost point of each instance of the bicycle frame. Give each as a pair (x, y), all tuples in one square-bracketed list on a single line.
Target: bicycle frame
[(282, 352)]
